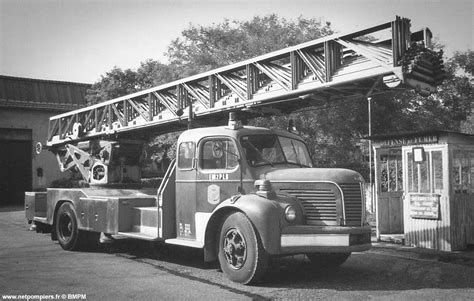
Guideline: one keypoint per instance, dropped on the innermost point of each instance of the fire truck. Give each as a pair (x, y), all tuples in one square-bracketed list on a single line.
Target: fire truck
[(242, 194)]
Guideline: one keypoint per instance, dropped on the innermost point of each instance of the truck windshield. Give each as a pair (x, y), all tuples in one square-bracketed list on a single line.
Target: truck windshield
[(272, 149)]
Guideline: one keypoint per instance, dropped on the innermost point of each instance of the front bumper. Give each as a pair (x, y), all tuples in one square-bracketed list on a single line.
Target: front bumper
[(312, 239)]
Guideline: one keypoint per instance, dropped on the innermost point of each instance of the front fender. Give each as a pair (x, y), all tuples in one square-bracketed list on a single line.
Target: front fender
[(264, 214)]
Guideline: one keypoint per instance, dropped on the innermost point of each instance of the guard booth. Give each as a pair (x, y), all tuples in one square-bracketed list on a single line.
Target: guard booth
[(424, 187)]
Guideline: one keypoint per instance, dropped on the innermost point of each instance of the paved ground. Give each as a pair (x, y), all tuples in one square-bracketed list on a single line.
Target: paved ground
[(31, 263)]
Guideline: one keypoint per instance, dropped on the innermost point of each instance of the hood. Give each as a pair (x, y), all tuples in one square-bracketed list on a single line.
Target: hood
[(337, 175)]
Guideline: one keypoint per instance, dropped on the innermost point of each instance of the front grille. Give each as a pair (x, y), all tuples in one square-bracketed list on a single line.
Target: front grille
[(319, 205), (352, 203)]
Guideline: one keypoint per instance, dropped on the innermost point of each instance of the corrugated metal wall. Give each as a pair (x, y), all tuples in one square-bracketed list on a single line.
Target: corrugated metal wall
[(426, 233), (42, 91), (461, 215), (429, 233)]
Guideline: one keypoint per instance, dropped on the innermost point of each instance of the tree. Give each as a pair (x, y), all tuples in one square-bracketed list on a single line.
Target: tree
[(152, 73), (202, 48), (118, 82), (113, 84), (465, 62), (447, 109)]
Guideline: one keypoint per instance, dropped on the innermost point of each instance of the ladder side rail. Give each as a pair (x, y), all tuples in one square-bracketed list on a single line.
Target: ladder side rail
[(243, 64)]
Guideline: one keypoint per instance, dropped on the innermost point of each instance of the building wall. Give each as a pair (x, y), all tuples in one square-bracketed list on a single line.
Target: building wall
[(26, 105), (37, 122)]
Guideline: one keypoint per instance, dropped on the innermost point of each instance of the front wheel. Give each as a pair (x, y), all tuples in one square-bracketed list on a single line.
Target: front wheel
[(327, 260), (68, 234), (241, 254)]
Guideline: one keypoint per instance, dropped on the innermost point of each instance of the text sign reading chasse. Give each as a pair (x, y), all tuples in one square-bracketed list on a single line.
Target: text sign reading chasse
[(424, 206), (411, 140)]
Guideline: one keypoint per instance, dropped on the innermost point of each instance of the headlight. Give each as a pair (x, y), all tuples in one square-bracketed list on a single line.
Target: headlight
[(290, 213)]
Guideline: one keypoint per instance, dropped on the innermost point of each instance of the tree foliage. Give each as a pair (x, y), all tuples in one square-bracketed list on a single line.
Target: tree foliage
[(113, 84), (465, 61), (447, 109), (202, 48), (118, 82)]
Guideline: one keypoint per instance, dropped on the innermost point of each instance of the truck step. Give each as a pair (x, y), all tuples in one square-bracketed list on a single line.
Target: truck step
[(144, 224), (145, 217)]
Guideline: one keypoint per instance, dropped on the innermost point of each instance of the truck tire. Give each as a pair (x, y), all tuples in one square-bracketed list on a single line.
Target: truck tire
[(327, 260), (241, 254), (69, 236)]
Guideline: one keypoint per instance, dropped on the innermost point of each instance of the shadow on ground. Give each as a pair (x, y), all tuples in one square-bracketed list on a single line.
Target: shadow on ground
[(11, 208), (159, 251), (362, 271)]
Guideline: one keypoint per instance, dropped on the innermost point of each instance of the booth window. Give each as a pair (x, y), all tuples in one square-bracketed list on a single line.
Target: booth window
[(437, 163), (463, 172), (425, 176), (391, 171), (219, 154), (186, 153)]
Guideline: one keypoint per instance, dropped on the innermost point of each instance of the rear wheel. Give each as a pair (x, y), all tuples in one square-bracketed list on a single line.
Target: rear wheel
[(241, 254), (327, 260), (69, 236)]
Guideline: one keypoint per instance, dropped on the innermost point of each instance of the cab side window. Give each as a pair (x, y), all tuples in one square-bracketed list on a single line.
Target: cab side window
[(218, 154), (186, 154)]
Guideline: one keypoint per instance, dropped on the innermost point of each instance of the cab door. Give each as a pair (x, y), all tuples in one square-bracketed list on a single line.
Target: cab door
[(186, 190), (219, 173)]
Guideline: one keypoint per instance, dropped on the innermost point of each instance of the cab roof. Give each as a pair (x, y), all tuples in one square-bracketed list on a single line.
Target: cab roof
[(200, 133)]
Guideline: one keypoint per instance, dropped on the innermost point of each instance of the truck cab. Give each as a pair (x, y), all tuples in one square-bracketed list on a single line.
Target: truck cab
[(266, 178)]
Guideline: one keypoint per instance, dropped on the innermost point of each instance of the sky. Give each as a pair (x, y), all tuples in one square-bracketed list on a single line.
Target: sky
[(80, 40)]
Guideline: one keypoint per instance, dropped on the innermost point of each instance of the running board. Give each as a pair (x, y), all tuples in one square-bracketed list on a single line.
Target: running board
[(140, 235), (185, 242), (43, 220)]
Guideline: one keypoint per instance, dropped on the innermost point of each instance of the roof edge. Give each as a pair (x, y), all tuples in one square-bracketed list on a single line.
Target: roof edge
[(44, 80), (414, 133)]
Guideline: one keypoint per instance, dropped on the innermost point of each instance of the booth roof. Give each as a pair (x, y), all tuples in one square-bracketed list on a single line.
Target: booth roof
[(407, 134)]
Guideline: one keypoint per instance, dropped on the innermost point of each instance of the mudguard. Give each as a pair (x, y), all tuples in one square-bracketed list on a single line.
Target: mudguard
[(266, 215)]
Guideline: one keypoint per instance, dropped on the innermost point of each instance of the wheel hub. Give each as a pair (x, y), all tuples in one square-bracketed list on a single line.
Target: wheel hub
[(235, 250)]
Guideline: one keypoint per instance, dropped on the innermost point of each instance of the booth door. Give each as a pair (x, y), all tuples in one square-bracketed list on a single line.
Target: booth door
[(390, 207)]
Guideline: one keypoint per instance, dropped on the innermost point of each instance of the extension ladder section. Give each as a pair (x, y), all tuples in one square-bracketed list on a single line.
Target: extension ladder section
[(339, 66)]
